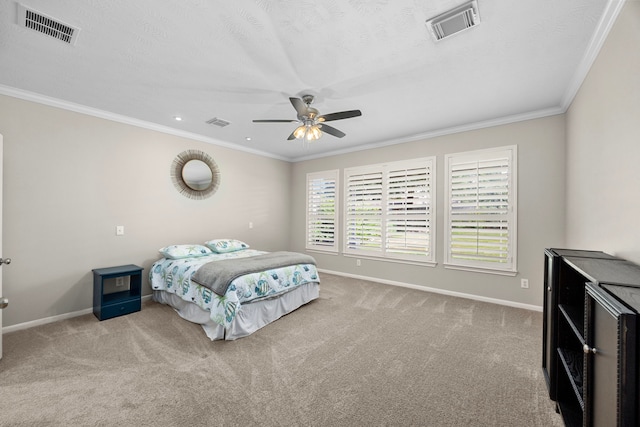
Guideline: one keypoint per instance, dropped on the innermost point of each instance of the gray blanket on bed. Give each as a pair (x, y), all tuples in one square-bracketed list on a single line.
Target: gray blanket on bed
[(218, 275)]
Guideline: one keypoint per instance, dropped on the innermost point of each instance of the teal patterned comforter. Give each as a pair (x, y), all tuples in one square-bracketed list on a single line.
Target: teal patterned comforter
[(174, 276)]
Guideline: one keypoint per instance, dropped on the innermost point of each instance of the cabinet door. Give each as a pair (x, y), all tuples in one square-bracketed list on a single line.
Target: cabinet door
[(549, 327), (610, 358)]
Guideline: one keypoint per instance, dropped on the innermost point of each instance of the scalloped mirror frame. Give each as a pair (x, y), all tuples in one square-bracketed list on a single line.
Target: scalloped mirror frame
[(176, 174)]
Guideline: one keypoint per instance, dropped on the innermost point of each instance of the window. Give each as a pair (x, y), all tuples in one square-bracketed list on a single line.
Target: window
[(322, 211), (389, 210), (480, 212)]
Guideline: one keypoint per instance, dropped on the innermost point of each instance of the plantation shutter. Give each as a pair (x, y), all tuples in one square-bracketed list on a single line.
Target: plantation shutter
[(389, 210), (408, 211), (481, 210), (364, 212), (322, 211)]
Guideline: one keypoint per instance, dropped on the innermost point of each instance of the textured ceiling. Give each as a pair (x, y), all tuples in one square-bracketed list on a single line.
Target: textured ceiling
[(147, 61)]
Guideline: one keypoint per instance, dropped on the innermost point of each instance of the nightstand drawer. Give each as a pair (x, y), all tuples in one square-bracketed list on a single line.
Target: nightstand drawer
[(119, 309)]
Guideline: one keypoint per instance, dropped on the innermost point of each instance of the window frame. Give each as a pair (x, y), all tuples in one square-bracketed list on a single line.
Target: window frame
[(511, 216), (383, 252), (330, 175)]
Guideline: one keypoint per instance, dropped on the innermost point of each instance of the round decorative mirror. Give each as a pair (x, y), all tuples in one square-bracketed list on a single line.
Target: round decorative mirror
[(195, 174)]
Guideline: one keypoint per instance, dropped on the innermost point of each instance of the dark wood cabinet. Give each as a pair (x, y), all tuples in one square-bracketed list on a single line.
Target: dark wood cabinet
[(590, 346), (571, 305), (610, 359)]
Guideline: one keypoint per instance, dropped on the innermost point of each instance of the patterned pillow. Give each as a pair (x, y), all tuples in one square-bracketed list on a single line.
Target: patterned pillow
[(221, 246), (184, 251)]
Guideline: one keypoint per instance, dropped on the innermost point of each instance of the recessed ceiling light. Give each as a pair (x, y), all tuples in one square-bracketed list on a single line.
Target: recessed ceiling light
[(248, 138), (177, 118)]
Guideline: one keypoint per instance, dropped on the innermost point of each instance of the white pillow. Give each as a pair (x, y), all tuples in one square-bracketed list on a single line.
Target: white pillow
[(221, 246), (184, 251)]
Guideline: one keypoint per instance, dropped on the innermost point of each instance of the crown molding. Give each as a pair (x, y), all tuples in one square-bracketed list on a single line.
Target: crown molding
[(82, 109), (444, 131), (611, 12)]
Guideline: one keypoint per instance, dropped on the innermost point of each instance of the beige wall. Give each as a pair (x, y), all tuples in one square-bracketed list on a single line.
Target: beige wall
[(603, 146), (541, 161), (69, 179)]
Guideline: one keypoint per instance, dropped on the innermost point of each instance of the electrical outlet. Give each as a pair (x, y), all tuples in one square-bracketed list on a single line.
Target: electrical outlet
[(119, 281), (119, 230), (358, 263), (250, 225), (524, 283)]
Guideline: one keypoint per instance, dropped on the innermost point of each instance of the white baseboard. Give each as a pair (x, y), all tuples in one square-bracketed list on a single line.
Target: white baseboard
[(436, 290), (31, 324), (57, 318)]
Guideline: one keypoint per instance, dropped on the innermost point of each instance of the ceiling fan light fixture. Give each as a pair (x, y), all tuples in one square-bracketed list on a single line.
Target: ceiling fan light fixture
[(313, 133), (309, 132), (300, 132)]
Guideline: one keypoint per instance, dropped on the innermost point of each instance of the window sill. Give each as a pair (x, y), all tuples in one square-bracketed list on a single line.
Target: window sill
[(480, 270), (393, 260), (319, 251)]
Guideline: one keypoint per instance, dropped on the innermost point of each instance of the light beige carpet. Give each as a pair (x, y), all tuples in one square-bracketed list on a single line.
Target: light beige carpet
[(364, 354)]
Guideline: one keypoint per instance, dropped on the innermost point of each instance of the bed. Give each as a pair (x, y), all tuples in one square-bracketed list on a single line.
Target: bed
[(230, 289)]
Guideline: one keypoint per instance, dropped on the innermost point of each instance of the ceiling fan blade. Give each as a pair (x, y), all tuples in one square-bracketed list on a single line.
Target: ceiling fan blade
[(331, 130), (292, 136), (299, 105), (275, 121), (339, 116)]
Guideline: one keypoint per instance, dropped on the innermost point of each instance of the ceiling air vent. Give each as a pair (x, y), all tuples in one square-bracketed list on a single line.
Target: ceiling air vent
[(218, 122), (455, 20), (47, 25)]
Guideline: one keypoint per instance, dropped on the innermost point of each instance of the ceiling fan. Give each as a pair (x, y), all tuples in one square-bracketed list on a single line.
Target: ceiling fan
[(312, 124)]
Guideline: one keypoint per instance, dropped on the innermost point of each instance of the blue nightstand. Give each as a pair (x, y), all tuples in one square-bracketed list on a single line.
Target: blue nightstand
[(106, 306)]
